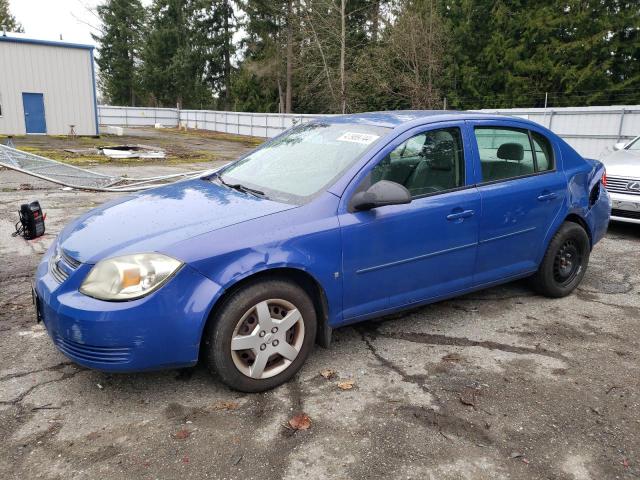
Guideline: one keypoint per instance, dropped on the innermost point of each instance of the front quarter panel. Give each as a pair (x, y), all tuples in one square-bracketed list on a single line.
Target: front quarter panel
[(306, 238)]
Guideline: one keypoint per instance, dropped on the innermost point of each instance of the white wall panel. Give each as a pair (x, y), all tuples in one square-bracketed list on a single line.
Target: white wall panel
[(63, 75)]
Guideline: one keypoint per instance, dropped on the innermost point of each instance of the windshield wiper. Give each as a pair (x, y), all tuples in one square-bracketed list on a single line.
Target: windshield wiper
[(241, 188)]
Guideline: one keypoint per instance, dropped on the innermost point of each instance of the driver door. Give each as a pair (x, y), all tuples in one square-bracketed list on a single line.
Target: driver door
[(398, 255)]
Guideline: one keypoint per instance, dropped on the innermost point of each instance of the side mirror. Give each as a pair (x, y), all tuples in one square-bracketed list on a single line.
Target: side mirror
[(619, 146), (380, 194)]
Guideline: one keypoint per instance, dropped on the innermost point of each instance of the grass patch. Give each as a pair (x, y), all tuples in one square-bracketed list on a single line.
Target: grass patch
[(229, 137), (84, 159)]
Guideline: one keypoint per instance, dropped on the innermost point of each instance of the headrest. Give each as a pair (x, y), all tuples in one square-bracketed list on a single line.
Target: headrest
[(511, 151), (442, 155)]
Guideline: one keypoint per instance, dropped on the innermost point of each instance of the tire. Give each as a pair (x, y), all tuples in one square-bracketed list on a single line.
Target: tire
[(257, 317), (564, 263)]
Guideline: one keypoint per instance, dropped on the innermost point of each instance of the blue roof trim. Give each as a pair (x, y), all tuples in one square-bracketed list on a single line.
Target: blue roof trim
[(396, 118), (49, 43), (95, 93)]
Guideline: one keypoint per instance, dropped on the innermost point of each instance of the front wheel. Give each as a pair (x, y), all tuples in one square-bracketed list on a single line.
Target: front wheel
[(261, 335), (564, 263)]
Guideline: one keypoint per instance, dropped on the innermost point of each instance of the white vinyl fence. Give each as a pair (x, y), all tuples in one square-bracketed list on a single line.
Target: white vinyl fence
[(592, 131), (137, 116)]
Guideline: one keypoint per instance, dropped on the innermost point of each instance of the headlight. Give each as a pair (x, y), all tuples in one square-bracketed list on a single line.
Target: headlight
[(129, 277)]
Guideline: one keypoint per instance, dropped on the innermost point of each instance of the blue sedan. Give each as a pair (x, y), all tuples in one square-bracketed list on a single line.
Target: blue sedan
[(333, 222)]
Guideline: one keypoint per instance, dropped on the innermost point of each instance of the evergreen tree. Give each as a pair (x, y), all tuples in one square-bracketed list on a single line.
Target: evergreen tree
[(624, 42), (8, 22), (261, 80), (329, 56), (511, 53), (187, 58), (119, 43), (173, 67), (215, 23)]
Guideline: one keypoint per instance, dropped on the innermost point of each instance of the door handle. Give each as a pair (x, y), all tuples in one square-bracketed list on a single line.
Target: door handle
[(460, 215), (547, 196)]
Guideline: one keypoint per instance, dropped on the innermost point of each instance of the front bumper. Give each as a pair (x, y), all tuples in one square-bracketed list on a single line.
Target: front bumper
[(161, 330), (625, 208)]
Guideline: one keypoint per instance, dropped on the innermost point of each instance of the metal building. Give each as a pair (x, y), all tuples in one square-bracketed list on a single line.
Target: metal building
[(46, 88)]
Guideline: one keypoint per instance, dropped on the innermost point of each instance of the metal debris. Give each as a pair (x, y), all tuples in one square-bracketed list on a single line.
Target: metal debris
[(75, 177), (132, 151)]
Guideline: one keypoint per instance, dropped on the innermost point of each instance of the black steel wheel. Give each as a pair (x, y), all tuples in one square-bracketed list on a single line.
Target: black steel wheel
[(564, 263)]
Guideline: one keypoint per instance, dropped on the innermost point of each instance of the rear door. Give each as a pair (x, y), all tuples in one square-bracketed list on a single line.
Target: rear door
[(399, 255), (521, 191)]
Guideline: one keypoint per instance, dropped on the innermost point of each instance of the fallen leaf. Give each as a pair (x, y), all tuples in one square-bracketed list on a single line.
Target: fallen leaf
[(185, 459), (328, 373), (225, 405), (625, 463), (300, 422), (468, 397), (346, 385), (516, 454), (182, 434), (525, 460), (452, 357)]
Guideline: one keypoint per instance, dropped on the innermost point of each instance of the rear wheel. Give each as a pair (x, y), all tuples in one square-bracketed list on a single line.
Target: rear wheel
[(564, 263), (261, 336)]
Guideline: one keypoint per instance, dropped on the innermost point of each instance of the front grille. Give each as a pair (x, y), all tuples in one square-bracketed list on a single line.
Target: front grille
[(62, 265), (621, 185), (91, 353), (625, 214), (72, 262), (57, 273)]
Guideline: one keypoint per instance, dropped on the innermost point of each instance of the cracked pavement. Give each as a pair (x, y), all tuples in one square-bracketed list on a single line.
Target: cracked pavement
[(497, 384)]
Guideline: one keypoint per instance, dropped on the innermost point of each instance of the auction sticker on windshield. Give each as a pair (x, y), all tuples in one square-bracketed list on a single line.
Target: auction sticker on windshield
[(364, 138)]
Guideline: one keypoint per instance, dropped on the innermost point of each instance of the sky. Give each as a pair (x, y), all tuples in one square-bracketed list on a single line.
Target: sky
[(75, 20)]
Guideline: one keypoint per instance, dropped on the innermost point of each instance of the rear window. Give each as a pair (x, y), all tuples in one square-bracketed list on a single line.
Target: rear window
[(511, 152), (544, 152)]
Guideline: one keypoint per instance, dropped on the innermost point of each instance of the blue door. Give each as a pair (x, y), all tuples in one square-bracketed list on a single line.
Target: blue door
[(399, 255), (522, 192), (34, 120)]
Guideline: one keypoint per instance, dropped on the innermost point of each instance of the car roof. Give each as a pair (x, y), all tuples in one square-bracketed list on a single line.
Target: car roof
[(392, 119)]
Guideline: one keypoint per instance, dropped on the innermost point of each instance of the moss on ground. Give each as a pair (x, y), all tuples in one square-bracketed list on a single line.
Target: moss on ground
[(229, 137), (86, 159)]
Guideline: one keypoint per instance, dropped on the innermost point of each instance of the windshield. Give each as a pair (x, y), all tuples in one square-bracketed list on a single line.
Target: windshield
[(303, 161), (635, 145)]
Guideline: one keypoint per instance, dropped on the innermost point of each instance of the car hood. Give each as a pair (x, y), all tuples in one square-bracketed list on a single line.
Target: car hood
[(623, 163), (154, 219)]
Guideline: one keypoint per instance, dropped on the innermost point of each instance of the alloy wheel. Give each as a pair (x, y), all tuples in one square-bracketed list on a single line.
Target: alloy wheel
[(267, 338)]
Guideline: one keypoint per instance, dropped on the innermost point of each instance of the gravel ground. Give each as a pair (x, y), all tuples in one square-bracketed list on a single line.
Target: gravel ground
[(496, 384)]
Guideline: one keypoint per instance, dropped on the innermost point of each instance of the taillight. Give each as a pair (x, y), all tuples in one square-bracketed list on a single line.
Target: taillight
[(604, 179)]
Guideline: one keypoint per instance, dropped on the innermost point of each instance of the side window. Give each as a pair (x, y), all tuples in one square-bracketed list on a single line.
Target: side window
[(544, 152), (504, 153), (430, 162)]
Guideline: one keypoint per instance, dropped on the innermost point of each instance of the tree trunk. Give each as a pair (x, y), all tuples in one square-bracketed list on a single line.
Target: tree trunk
[(227, 55), (281, 100), (289, 79), (375, 20), (343, 42)]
